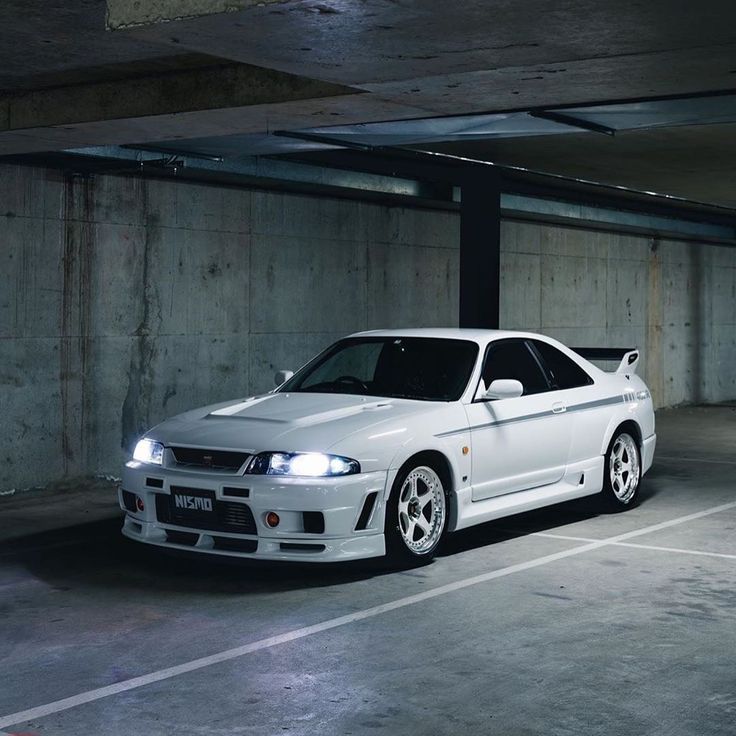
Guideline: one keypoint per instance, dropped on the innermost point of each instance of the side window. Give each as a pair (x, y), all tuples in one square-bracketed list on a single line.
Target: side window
[(565, 373), (513, 359)]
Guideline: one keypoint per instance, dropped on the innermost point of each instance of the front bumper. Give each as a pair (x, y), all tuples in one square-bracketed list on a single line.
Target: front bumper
[(340, 501)]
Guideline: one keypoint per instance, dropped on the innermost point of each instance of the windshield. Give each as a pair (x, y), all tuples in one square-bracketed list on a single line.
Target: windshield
[(429, 369)]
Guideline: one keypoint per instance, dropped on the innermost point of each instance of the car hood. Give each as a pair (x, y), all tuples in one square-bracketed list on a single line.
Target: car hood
[(290, 422)]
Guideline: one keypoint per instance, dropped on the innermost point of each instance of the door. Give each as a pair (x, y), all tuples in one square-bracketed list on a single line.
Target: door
[(517, 443)]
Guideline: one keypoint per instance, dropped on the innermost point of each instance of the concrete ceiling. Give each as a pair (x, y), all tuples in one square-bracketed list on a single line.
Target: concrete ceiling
[(180, 69), (693, 162), (475, 55)]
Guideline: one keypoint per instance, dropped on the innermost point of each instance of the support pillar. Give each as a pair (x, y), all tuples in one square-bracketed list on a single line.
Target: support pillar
[(480, 251)]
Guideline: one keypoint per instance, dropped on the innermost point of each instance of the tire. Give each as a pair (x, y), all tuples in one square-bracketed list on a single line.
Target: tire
[(416, 515), (621, 473)]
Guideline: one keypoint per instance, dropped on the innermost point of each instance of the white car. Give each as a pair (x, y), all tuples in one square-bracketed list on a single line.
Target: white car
[(388, 440)]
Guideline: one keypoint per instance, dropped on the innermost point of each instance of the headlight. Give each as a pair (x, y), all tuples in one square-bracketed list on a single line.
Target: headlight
[(148, 451), (309, 464)]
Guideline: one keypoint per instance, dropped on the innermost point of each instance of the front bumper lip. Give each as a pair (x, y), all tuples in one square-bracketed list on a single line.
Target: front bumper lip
[(310, 549), (339, 500)]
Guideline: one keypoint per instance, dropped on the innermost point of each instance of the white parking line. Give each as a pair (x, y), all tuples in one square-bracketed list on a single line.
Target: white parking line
[(653, 547), (196, 664)]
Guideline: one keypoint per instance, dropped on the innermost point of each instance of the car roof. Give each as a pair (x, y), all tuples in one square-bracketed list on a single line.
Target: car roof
[(449, 333)]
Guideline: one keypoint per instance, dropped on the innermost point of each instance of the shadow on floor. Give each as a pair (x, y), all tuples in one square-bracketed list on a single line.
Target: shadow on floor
[(96, 555)]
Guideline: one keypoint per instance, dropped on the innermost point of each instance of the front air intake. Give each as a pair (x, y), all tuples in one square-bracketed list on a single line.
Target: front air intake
[(129, 500)]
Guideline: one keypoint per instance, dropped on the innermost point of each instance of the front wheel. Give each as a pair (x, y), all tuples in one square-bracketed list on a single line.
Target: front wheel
[(416, 515), (622, 472)]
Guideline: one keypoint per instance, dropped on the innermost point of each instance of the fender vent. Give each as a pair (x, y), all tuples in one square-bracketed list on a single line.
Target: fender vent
[(366, 511)]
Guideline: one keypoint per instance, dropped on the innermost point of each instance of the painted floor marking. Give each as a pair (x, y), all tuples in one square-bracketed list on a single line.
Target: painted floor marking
[(653, 547), (90, 696)]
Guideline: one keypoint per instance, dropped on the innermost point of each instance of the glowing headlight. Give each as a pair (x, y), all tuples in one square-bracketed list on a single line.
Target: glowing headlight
[(148, 451), (308, 464)]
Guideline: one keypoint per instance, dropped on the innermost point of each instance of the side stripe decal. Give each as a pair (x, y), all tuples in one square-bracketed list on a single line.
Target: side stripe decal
[(527, 417)]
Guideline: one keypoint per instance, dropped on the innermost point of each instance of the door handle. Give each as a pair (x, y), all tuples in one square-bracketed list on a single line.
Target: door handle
[(558, 408)]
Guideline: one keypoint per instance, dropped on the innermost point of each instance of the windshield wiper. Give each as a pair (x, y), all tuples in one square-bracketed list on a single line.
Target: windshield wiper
[(412, 396)]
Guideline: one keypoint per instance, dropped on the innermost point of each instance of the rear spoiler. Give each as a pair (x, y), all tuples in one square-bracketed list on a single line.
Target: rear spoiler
[(628, 358)]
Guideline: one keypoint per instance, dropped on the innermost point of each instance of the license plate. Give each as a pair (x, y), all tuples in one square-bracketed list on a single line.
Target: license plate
[(192, 501)]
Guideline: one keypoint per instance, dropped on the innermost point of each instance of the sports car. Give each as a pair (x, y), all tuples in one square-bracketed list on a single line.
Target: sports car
[(389, 440)]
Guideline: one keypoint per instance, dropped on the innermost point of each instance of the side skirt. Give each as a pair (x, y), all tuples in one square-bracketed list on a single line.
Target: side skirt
[(471, 512)]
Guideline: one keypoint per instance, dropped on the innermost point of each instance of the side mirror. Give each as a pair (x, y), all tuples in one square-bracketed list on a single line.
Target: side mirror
[(503, 388), (282, 377)]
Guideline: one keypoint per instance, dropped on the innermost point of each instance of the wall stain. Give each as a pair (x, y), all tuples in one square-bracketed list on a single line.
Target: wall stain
[(169, 394), (654, 376), (75, 320), (136, 410)]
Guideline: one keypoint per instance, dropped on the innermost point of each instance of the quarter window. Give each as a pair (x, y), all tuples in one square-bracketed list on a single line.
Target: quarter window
[(513, 359), (564, 372)]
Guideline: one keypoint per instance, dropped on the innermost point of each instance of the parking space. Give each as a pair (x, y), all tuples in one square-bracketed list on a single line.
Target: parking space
[(520, 626), (302, 283)]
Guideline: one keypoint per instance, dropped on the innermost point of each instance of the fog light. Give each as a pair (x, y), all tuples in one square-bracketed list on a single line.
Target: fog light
[(139, 504), (272, 519)]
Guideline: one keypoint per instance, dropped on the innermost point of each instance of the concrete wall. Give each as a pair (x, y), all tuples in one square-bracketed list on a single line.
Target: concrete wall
[(674, 300), (124, 301)]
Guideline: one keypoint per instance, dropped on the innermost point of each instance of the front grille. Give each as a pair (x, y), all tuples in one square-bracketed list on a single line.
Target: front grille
[(237, 492), (217, 460), (226, 516)]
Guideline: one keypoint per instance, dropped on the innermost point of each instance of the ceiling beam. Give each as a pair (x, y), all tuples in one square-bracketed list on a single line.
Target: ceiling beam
[(209, 88), (215, 100)]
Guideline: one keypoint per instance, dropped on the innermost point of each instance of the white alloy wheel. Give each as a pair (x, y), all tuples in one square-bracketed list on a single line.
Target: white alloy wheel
[(624, 468), (422, 507)]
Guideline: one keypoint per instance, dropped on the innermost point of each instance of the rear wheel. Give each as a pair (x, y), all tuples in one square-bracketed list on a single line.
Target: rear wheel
[(622, 472), (416, 515)]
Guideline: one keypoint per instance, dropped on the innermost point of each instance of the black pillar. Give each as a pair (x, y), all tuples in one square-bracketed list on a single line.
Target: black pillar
[(480, 250)]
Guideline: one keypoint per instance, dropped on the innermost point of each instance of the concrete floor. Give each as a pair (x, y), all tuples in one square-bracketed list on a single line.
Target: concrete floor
[(546, 632)]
